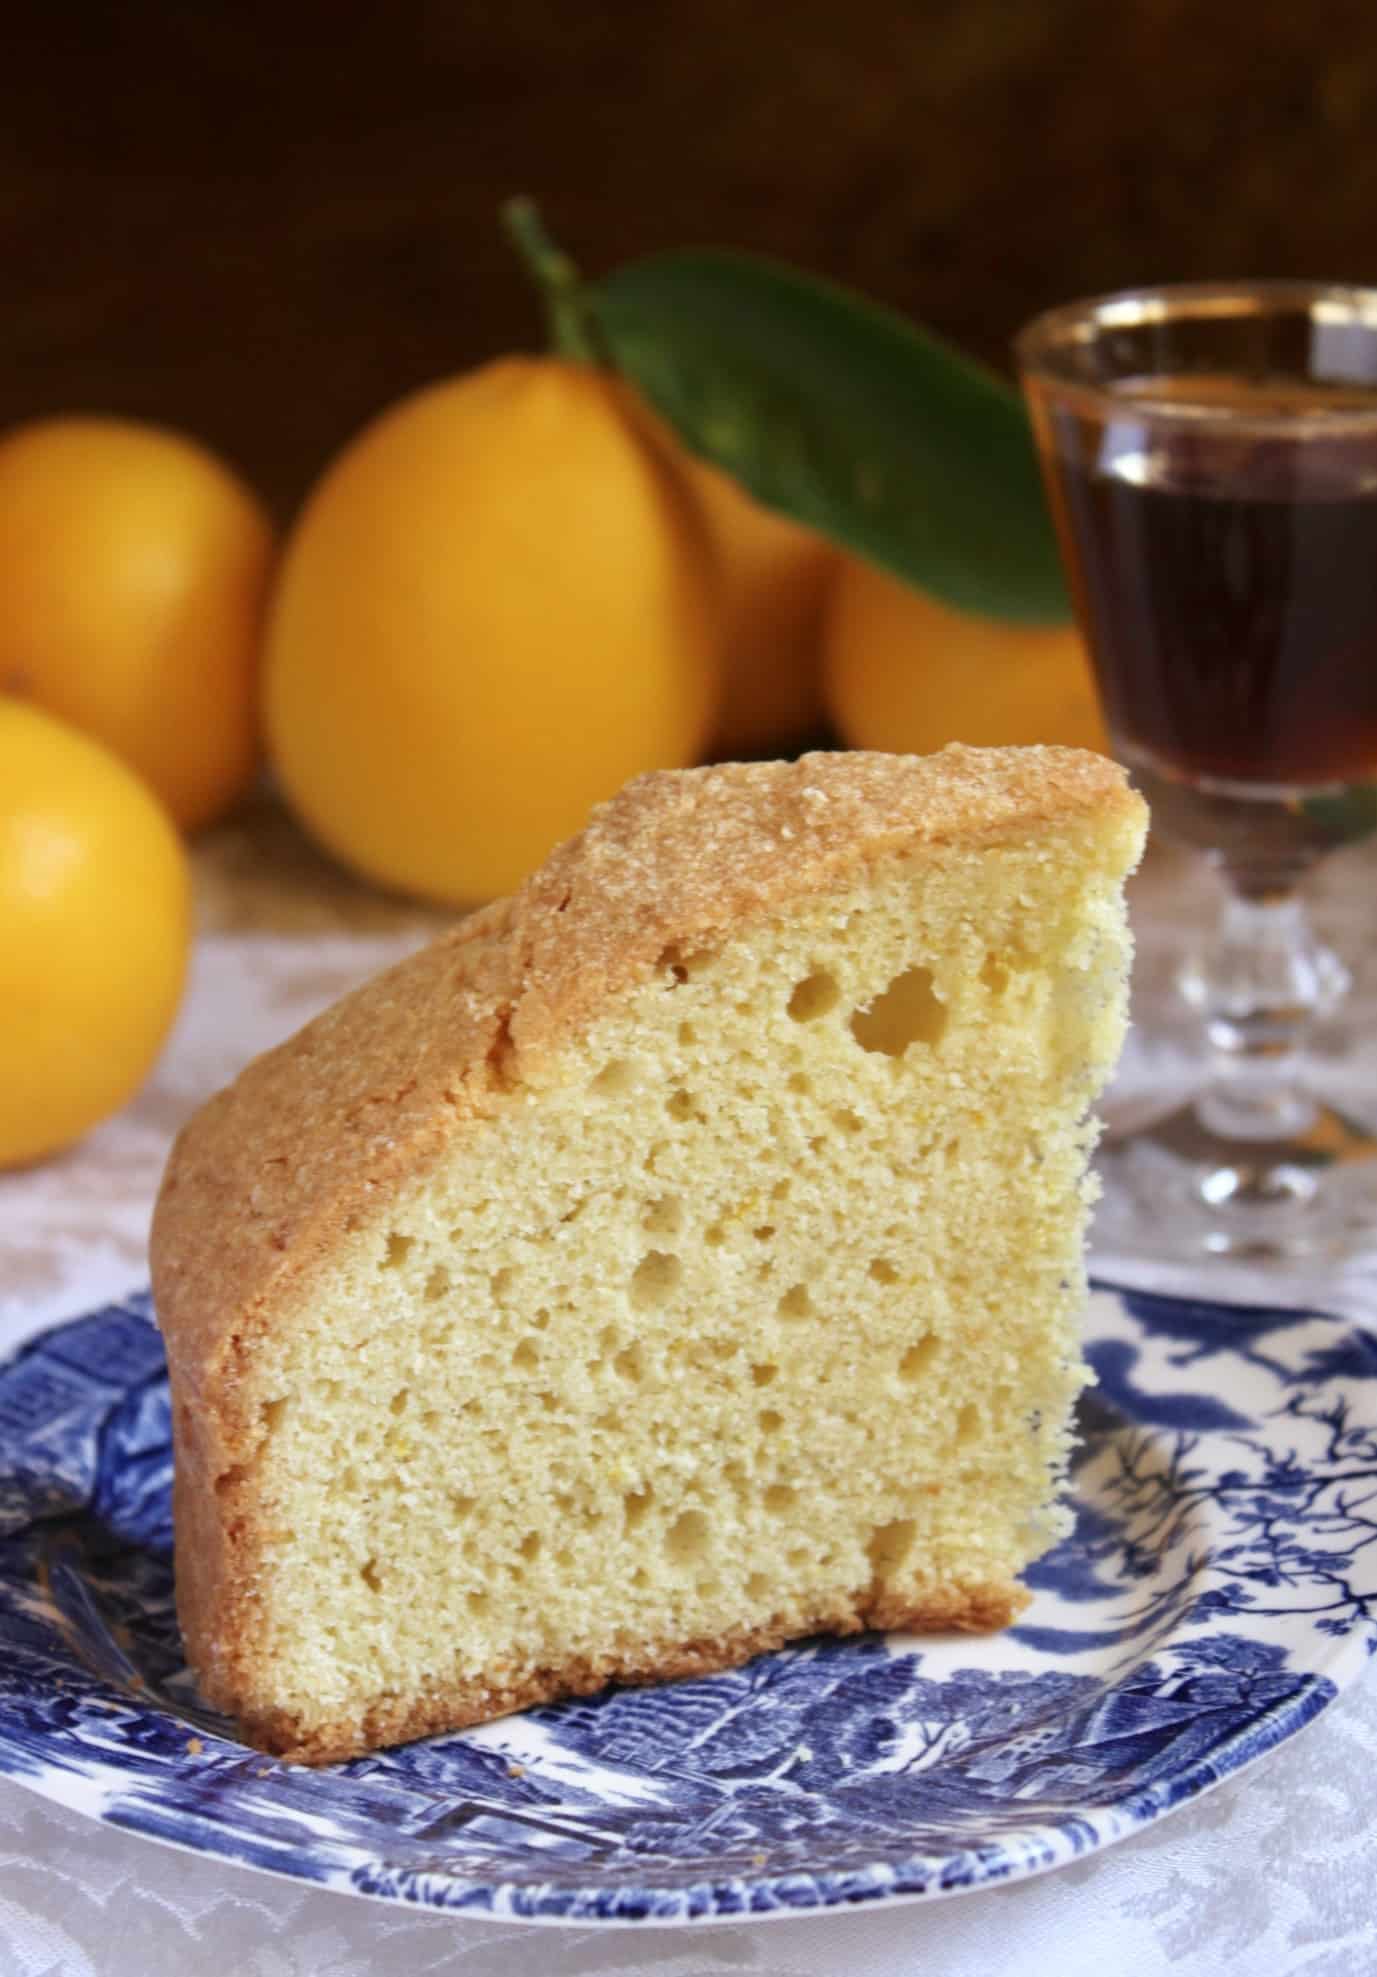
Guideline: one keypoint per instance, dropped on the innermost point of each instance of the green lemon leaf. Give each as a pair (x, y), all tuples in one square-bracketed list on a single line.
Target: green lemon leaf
[(844, 416)]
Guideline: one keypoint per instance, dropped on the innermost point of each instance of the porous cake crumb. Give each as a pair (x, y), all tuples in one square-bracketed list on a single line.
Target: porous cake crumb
[(682, 1256)]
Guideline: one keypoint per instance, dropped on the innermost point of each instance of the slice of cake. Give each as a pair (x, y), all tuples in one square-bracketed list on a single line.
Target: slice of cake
[(681, 1256)]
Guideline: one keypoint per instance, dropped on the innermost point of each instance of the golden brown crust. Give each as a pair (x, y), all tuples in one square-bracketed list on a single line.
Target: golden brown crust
[(272, 1168), (396, 1720), (313, 1137)]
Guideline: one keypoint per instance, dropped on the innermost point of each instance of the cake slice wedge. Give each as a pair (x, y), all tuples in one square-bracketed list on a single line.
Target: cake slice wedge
[(678, 1258)]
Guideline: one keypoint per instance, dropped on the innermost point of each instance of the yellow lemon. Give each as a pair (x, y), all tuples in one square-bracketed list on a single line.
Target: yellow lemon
[(775, 576), (497, 606), (905, 672), (94, 932), (133, 571)]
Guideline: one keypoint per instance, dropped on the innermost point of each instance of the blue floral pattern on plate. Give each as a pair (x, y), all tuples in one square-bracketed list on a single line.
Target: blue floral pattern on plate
[(1219, 1588)]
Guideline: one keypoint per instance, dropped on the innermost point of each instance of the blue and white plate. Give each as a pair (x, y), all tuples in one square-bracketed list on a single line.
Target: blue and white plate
[(1218, 1591)]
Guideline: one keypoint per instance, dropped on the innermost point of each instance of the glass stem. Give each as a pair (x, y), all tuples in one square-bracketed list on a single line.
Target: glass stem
[(1259, 984)]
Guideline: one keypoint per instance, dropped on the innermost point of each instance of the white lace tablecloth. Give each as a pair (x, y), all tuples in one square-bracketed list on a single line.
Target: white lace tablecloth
[(1274, 1873)]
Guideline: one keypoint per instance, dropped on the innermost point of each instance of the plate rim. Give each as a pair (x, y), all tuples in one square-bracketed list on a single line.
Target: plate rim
[(1336, 1660)]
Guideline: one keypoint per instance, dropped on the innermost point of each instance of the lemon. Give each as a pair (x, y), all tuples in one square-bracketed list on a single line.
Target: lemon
[(94, 932), (903, 671), (133, 572), (775, 576), (497, 606)]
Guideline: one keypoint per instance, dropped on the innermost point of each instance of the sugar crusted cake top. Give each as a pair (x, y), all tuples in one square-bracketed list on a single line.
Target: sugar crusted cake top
[(275, 1167)]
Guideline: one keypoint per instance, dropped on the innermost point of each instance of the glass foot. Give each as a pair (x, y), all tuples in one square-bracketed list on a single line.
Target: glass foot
[(1186, 1186)]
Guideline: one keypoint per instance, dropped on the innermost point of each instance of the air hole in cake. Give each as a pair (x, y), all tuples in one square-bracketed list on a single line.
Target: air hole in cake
[(478, 1602), (683, 965), (549, 1401), (757, 1586), (909, 1011), (530, 1545), (460, 1505), (687, 1537), (763, 1372), (687, 1034), (679, 1105), (398, 1249), (635, 1504), (735, 1473), (770, 1421), (630, 1362), (371, 1576), (797, 1303), (968, 1425), (715, 1236), (400, 1400), (994, 975), (616, 1079), (781, 1190), (438, 1283), (526, 1356), (656, 1278), (800, 1082), (847, 1121), (564, 1559), (664, 1216), (271, 1413), (500, 1283), (890, 1545), (707, 1588), (918, 1358), (541, 1320), (780, 1496), (814, 996), (883, 1271)]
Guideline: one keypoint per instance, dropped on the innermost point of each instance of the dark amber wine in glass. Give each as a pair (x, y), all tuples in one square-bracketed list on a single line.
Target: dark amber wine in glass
[(1210, 452), (1226, 577)]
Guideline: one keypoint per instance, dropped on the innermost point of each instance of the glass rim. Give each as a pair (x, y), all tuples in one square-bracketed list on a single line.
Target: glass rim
[(1041, 346)]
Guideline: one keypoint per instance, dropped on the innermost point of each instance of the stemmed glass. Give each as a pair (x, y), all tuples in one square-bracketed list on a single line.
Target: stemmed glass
[(1210, 451)]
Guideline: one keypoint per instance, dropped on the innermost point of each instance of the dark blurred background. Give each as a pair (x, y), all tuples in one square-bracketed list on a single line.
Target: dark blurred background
[(264, 223)]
